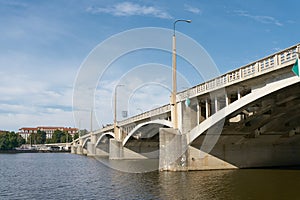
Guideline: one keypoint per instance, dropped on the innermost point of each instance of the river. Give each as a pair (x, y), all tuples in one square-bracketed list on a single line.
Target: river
[(69, 176)]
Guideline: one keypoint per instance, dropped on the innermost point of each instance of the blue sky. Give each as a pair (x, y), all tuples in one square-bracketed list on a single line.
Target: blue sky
[(44, 43)]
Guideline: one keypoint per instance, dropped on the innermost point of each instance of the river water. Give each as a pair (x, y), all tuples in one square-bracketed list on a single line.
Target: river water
[(69, 176)]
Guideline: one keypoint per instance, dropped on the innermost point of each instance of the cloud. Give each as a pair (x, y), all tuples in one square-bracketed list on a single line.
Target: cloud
[(192, 9), (15, 4), (260, 18), (131, 9)]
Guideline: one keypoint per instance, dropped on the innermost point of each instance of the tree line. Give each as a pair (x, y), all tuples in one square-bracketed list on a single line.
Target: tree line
[(10, 140), (58, 136)]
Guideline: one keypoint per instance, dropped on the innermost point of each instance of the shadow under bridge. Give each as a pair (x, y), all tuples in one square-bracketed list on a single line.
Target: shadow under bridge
[(144, 138)]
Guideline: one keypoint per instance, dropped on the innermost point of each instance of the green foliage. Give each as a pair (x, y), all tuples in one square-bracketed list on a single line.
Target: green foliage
[(10, 140), (83, 132), (37, 138), (76, 135), (57, 137), (60, 137)]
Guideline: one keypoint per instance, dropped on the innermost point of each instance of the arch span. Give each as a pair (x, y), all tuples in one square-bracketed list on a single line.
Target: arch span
[(85, 141), (101, 137), (253, 96), (157, 121)]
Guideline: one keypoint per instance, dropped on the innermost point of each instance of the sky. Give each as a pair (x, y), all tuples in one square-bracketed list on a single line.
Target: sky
[(44, 46)]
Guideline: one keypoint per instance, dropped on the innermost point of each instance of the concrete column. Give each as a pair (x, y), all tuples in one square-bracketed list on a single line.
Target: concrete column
[(79, 150), (180, 107), (73, 149), (206, 109), (216, 104), (81, 140), (94, 138), (172, 150), (91, 149), (115, 150), (198, 112), (188, 115), (238, 94), (226, 99)]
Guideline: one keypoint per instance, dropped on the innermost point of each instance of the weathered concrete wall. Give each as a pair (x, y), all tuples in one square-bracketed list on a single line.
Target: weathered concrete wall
[(115, 149), (102, 149), (261, 151), (172, 150), (145, 148), (79, 150), (118, 152), (199, 160), (100, 152), (91, 150), (230, 152), (73, 149)]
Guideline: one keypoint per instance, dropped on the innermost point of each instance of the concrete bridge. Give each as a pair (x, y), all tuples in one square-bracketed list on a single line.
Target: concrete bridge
[(245, 118)]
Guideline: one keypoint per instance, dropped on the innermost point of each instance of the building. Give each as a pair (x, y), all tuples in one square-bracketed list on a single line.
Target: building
[(49, 130)]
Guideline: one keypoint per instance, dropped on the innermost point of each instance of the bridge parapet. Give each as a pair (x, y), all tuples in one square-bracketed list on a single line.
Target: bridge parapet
[(254, 69), (145, 115)]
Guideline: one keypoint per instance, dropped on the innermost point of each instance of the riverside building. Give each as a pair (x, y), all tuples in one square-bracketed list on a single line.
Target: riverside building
[(26, 131)]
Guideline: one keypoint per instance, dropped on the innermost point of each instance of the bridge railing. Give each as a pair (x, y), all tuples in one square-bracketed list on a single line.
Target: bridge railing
[(257, 68), (145, 115)]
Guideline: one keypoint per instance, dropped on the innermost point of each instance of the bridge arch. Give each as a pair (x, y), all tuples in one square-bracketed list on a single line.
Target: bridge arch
[(157, 121), (101, 137), (85, 141), (235, 106)]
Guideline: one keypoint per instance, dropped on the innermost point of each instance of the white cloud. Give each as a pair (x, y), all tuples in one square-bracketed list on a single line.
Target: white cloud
[(260, 18), (131, 9), (29, 94), (192, 9)]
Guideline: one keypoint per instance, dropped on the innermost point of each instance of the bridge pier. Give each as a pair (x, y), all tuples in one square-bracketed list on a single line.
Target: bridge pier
[(73, 149), (176, 155), (115, 150), (91, 148), (172, 150), (79, 150)]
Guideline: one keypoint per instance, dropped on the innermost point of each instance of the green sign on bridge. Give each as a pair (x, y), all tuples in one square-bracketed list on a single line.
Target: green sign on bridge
[(295, 68)]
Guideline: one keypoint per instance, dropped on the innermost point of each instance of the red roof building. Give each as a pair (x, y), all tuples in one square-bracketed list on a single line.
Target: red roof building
[(26, 131)]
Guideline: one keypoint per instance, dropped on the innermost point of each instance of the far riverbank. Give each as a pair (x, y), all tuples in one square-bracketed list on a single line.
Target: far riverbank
[(33, 151)]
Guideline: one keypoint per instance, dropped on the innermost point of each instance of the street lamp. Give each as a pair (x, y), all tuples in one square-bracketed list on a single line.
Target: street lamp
[(115, 112), (174, 81)]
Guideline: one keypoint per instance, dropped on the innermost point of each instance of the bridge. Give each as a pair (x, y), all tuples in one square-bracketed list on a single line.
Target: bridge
[(246, 118)]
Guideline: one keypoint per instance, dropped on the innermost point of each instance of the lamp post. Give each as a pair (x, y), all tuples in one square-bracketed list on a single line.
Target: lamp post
[(115, 113), (174, 81)]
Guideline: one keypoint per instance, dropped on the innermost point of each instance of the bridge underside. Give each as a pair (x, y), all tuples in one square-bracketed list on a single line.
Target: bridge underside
[(265, 133), (145, 141), (102, 149)]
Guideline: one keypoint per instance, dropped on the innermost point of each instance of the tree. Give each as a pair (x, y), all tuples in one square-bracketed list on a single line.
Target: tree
[(41, 137), (10, 140), (83, 132), (76, 135), (37, 138), (57, 136)]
